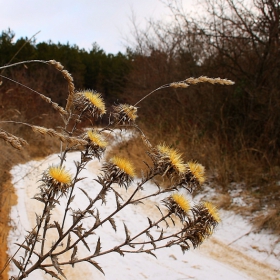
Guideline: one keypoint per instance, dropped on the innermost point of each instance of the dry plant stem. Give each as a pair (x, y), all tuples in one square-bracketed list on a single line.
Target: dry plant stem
[(24, 62), (51, 194), (126, 242), (10, 258), (108, 217), (54, 246), (80, 167), (164, 86)]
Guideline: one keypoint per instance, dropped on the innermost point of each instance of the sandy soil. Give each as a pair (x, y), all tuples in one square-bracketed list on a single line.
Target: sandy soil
[(8, 198)]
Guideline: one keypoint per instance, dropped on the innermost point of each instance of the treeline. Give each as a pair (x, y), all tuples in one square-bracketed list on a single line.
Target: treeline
[(93, 69)]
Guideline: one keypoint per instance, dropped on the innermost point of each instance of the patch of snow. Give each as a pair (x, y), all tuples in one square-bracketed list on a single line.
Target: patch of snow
[(234, 231)]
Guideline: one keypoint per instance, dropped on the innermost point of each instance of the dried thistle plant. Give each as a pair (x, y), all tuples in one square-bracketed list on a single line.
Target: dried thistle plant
[(196, 223)]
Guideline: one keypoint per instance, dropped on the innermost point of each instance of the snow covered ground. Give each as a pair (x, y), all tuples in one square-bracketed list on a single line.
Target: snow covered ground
[(234, 251)]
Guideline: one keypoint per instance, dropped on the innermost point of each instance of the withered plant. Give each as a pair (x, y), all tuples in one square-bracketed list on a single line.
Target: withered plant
[(191, 227)]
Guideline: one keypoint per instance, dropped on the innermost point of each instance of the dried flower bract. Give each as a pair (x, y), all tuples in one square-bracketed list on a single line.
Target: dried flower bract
[(177, 204), (119, 170), (96, 143), (57, 178), (124, 114), (89, 103)]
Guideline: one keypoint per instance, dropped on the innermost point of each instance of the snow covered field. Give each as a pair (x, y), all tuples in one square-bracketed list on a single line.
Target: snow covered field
[(232, 253)]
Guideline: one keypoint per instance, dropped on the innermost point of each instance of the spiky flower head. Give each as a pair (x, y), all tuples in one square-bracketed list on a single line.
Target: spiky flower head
[(96, 143), (119, 170), (124, 114), (193, 177), (212, 210), (90, 103), (57, 178), (177, 204), (197, 170), (124, 165), (207, 214), (173, 157)]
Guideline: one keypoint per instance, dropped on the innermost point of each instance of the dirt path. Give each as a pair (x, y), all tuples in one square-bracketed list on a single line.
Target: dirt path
[(213, 247), (230, 256)]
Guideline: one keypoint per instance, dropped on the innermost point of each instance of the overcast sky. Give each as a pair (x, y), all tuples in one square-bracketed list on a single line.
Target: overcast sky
[(80, 22)]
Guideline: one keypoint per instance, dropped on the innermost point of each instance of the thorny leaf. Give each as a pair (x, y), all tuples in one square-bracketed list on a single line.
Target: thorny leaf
[(136, 202), (38, 219), (151, 253), (113, 224), (58, 228), (80, 179), (18, 265), (98, 247), (118, 250), (161, 235), (152, 239), (90, 200), (68, 241), (184, 248), (127, 239), (54, 275), (40, 199), (97, 219), (56, 265), (73, 256), (78, 231), (72, 198), (150, 222), (23, 246), (96, 265)]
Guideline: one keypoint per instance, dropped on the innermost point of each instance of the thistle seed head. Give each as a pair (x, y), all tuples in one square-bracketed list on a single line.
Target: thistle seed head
[(90, 103), (119, 170), (57, 178), (177, 204), (96, 143), (124, 114)]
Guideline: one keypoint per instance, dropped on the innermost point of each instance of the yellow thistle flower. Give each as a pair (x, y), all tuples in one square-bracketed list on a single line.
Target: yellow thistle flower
[(124, 165), (130, 111), (60, 175), (212, 211), (181, 201), (96, 100), (97, 139), (175, 158), (197, 170)]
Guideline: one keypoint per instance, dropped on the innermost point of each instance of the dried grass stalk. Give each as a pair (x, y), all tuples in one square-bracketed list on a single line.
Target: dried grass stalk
[(69, 79), (51, 132), (13, 140), (204, 79)]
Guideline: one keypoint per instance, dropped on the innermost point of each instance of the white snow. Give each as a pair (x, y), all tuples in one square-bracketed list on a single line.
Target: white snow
[(234, 233)]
